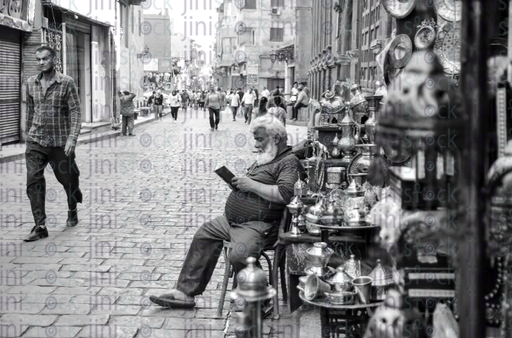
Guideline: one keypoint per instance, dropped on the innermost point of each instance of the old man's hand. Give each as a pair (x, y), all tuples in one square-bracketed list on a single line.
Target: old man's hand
[(243, 183)]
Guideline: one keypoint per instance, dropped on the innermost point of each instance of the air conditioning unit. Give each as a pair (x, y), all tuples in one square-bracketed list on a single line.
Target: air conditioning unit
[(276, 11)]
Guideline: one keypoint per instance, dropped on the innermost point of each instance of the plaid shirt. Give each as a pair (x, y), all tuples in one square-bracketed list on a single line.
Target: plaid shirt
[(54, 118)]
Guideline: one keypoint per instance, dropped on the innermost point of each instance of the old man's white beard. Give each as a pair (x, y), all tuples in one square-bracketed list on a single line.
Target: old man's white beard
[(268, 154)]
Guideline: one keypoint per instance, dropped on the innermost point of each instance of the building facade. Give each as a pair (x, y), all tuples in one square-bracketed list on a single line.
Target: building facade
[(347, 36), (130, 47), (85, 36), (248, 33)]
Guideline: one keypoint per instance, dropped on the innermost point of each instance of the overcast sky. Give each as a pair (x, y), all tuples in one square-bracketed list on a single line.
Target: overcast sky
[(201, 13)]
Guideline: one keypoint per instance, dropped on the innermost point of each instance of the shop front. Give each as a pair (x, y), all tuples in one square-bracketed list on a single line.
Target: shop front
[(14, 20)]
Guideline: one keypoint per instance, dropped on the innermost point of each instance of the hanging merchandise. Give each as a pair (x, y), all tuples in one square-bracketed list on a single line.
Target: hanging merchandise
[(425, 35), (399, 9), (450, 10), (448, 46), (401, 45)]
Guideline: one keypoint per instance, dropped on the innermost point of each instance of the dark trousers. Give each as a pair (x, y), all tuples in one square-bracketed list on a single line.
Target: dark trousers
[(247, 240), (214, 112), (295, 111), (174, 112), (128, 123), (248, 113), (65, 169), (234, 110)]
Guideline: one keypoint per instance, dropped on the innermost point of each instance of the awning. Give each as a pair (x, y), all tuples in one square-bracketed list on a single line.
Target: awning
[(80, 16)]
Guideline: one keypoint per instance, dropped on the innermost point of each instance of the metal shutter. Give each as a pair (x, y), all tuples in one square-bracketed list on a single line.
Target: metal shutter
[(10, 54)]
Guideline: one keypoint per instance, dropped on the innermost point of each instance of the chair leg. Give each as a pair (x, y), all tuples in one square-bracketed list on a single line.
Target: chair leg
[(269, 263), (275, 281), (282, 270), (225, 280)]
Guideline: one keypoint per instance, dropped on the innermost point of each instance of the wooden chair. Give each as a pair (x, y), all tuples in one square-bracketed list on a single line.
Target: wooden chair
[(278, 264)]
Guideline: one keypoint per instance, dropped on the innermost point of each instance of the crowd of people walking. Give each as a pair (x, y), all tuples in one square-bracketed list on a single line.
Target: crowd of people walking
[(243, 104)]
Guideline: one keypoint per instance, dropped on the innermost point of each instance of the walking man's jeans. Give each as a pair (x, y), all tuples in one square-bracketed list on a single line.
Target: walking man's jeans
[(174, 112), (234, 110), (248, 113), (65, 170), (128, 122), (214, 112), (295, 111), (247, 240)]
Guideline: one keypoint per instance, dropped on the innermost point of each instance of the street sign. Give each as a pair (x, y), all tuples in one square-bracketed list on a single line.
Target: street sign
[(252, 74)]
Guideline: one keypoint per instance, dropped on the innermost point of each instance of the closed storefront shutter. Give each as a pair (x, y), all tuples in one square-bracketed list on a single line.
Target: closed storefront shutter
[(10, 50)]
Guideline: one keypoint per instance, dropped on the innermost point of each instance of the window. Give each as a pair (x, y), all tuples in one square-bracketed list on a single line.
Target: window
[(253, 37), (121, 16), (133, 19), (247, 4), (277, 34), (140, 26), (277, 3)]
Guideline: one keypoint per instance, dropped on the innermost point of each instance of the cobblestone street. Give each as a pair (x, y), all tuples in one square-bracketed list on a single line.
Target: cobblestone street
[(144, 198)]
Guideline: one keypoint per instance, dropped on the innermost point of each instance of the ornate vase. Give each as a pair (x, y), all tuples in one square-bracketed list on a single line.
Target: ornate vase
[(349, 137), (358, 104), (353, 267), (371, 124)]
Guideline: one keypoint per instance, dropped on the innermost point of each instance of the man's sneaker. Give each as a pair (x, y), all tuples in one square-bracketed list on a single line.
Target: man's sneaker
[(131, 134), (124, 134), (72, 218), (38, 232)]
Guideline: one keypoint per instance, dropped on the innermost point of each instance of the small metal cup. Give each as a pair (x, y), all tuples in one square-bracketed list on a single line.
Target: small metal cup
[(363, 285), (315, 287)]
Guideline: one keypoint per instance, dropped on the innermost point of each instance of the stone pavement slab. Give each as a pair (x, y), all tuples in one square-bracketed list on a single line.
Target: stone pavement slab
[(144, 198)]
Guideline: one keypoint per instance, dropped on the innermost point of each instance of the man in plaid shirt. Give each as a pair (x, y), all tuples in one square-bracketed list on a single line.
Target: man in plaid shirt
[(53, 126)]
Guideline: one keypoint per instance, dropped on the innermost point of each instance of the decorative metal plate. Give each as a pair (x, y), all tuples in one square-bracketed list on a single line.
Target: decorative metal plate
[(450, 10), (399, 8), (447, 47), (425, 35), (400, 40)]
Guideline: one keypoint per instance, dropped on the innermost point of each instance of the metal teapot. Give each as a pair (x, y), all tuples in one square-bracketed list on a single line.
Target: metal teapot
[(341, 281), (350, 132), (353, 267), (382, 280)]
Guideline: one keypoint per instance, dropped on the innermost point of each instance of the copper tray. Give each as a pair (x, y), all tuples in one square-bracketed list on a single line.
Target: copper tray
[(324, 302), (346, 228)]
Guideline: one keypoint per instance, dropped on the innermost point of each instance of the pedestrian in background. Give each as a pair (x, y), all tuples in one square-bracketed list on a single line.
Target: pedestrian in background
[(222, 97), (302, 101), (158, 102), (52, 128), (276, 110), (150, 102), (234, 102), (240, 93), (262, 109), (202, 98), (127, 109), (256, 98), (184, 100), (175, 103), (265, 93), (213, 103), (248, 101)]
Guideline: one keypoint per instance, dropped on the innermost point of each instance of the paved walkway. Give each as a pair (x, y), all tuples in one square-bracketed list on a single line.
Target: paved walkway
[(144, 197)]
